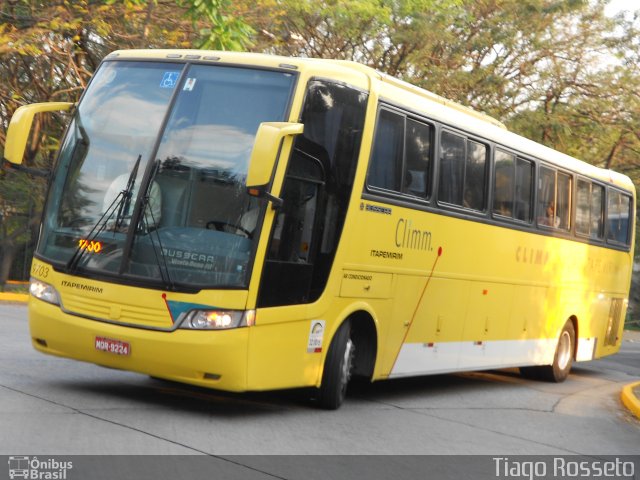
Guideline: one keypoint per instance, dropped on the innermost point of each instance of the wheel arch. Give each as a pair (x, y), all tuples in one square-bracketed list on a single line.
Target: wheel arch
[(364, 334)]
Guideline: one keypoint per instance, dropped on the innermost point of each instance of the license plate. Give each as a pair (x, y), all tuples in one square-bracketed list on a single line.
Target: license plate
[(110, 345)]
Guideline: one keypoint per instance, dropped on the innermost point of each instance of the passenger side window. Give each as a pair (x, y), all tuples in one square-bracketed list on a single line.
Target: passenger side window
[(513, 180), (590, 210), (524, 180), (463, 168), (504, 184), (475, 176), (417, 158), (554, 199), (386, 159), (452, 156), (401, 156), (597, 211)]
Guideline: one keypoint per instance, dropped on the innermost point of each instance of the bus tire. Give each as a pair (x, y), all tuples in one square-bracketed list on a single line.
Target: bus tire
[(338, 367), (562, 360)]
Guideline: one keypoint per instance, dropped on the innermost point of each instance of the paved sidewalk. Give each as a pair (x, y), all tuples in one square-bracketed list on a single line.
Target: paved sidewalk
[(13, 297), (630, 394)]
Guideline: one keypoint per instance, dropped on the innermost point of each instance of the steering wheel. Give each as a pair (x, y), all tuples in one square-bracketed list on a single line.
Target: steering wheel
[(220, 225)]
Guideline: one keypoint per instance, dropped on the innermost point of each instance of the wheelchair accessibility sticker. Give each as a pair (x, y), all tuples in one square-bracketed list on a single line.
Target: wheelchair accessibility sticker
[(169, 79)]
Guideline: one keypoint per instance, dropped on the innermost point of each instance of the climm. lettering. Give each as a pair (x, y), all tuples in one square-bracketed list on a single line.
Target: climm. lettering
[(532, 256), (412, 238)]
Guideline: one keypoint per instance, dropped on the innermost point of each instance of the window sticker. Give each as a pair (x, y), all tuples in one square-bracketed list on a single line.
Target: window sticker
[(169, 79), (189, 84), (316, 333)]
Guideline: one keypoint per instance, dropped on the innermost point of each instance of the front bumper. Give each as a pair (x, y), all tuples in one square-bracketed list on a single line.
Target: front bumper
[(214, 359)]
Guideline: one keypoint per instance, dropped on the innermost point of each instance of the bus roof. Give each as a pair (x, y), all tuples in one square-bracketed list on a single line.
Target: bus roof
[(399, 92)]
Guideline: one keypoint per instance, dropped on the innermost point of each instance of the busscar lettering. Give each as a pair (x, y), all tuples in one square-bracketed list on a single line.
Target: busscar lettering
[(185, 258)]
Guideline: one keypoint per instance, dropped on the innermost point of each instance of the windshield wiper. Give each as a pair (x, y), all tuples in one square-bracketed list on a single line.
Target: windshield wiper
[(121, 203), (128, 193), (93, 234), (158, 253)]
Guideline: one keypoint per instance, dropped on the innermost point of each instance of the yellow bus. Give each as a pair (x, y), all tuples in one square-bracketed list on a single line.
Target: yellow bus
[(248, 222)]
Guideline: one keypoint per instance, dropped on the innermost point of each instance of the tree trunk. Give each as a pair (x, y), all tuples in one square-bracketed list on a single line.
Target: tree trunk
[(8, 255)]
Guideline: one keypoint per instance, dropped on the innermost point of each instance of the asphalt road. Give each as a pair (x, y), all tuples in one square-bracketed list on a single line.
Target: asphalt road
[(61, 407)]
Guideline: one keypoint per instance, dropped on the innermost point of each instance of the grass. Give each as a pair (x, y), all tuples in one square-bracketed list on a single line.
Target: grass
[(631, 324), (15, 287)]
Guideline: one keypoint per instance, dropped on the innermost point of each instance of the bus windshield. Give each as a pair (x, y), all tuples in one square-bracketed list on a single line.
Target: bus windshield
[(150, 182)]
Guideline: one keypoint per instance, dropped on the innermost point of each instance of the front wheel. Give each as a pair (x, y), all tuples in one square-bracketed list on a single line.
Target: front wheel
[(562, 360), (338, 367)]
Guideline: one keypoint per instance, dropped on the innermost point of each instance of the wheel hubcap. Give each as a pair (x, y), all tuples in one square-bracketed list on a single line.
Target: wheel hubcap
[(564, 350), (347, 363)]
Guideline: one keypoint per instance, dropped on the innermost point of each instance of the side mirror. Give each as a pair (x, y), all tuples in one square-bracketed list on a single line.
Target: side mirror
[(20, 126), (265, 153)]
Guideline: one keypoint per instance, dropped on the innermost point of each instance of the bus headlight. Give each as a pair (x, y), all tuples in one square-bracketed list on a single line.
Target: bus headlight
[(217, 319), (44, 291)]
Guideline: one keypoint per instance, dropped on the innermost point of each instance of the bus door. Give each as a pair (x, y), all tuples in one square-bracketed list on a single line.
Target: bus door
[(315, 193), (305, 235)]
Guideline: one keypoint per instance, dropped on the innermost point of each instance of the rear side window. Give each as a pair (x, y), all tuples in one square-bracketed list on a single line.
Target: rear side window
[(619, 217), (590, 209)]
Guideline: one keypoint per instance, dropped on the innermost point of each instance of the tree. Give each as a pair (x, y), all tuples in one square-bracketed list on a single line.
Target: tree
[(48, 52)]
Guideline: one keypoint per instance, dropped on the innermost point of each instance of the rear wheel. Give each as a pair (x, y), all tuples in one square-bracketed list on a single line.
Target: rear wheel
[(338, 367), (562, 360)]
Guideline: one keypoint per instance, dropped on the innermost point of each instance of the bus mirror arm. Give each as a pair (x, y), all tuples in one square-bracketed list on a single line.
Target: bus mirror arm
[(269, 143), (20, 126), (276, 202)]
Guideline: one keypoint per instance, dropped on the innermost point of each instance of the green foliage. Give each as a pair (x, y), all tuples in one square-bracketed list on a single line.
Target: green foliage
[(222, 31), (17, 198)]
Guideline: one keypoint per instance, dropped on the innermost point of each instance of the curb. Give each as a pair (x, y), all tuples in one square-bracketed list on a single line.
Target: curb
[(629, 398), (14, 297)]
